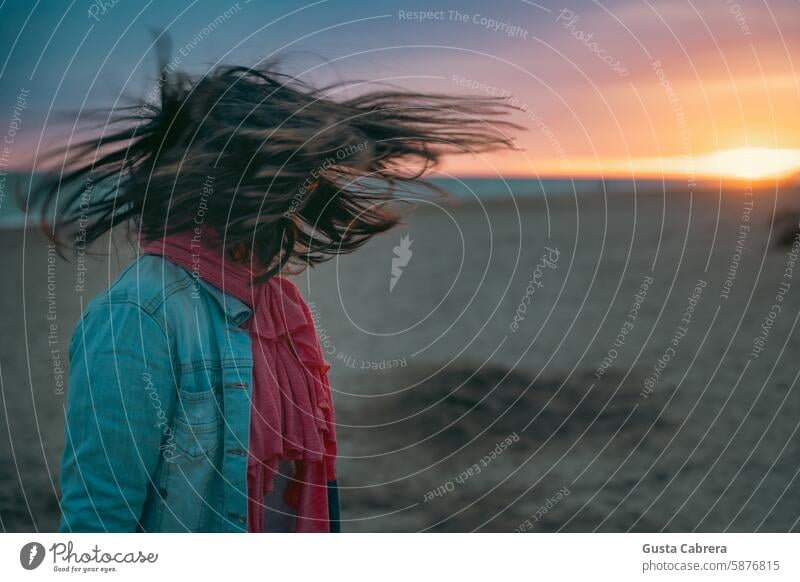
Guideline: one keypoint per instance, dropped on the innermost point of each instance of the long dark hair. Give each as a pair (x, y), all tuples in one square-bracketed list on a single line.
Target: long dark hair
[(266, 161)]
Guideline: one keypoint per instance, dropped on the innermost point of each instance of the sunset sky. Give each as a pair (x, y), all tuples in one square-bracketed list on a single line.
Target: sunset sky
[(618, 88)]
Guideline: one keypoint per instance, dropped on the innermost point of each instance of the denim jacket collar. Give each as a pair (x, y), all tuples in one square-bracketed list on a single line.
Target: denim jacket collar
[(235, 309)]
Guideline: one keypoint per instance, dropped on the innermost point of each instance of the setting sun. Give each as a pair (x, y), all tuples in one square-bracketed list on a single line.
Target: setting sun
[(751, 163)]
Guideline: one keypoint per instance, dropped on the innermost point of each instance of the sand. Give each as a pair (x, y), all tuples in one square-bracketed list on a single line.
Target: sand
[(606, 362)]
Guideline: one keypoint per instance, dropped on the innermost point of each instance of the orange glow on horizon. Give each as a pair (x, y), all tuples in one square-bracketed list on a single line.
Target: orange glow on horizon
[(746, 163), (752, 163)]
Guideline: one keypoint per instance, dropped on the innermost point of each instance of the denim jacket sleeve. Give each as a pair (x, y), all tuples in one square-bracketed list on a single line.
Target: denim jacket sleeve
[(120, 397)]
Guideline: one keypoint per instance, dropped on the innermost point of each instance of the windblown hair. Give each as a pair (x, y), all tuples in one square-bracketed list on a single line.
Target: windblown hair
[(270, 164)]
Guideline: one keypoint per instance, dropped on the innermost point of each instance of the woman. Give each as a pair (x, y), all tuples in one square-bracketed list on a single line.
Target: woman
[(198, 396)]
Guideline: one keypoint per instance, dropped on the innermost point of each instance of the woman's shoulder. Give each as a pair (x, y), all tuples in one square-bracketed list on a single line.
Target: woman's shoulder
[(147, 301), (147, 283)]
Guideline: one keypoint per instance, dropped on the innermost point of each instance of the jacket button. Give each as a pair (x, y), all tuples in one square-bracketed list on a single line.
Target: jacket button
[(162, 491), (241, 452), (238, 517)]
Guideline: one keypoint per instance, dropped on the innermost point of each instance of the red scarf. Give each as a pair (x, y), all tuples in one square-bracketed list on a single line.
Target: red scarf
[(292, 412)]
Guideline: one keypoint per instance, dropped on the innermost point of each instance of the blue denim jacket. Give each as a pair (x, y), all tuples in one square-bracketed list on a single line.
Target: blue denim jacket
[(158, 408)]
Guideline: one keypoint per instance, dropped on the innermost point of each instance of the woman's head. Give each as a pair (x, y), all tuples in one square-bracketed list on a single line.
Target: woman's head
[(291, 173)]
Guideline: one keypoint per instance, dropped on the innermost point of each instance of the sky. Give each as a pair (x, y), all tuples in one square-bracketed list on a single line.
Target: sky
[(642, 88)]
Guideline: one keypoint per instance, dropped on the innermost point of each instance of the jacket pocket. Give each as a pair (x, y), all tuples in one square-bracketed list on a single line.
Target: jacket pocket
[(188, 477), (197, 424), (195, 441)]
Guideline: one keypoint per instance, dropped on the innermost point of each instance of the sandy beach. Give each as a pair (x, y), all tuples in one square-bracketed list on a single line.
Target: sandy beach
[(603, 362)]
